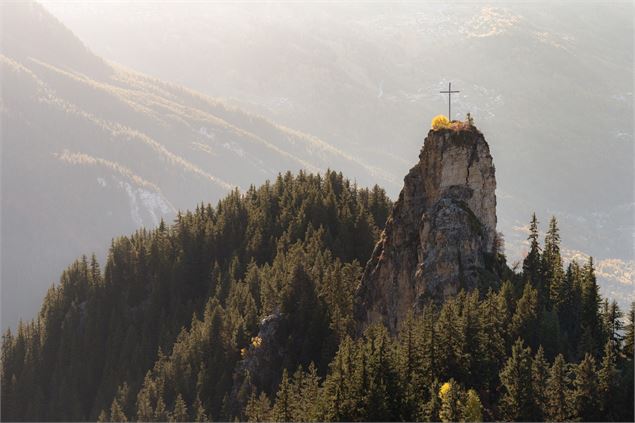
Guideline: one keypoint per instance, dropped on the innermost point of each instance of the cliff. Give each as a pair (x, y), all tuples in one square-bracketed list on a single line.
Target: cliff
[(441, 230)]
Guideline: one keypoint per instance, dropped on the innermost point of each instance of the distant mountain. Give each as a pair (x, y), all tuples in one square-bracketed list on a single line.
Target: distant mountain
[(91, 150), (551, 83)]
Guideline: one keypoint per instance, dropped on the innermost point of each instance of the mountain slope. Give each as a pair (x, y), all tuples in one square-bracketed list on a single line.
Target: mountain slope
[(551, 83), (91, 150), (300, 237)]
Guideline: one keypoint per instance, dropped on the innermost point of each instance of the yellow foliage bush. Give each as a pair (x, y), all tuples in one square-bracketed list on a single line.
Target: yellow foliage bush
[(445, 388), (439, 122), (256, 341)]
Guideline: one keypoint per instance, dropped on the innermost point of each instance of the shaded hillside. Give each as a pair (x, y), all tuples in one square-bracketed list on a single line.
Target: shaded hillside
[(300, 237), (91, 149)]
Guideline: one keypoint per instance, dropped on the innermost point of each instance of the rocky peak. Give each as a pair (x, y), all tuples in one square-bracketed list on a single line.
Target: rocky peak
[(441, 230)]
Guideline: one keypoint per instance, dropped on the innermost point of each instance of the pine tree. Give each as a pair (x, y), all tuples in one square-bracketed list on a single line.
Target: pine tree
[(492, 343), (380, 405), (199, 411), (283, 406), (307, 407), (612, 322), (179, 413), (516, 378), (584, 395), (473, 409), (531, 263), (590, 321), (557, 392), (525, 321), (629, 333), (449, 394), (160, 412), (337, 398), (539, 377), (429, 410), (258, 409), (608, 378), (554, 278), (116, 412), (409, 368)]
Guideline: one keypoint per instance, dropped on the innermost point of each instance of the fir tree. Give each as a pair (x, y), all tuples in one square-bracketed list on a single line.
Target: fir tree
[(449, 394), (116, 412), (584, 395), (591, 322), (179, 413), (429, 410), (608, 379), (473, 409), (629, 332), (199, 411), (283, 406), (612, 322), (258, 408), (557, 392), (525, 322), (539, 378), (531, 263), (516, 378)]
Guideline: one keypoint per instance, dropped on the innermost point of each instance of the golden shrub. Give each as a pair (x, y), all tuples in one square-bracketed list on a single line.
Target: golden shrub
[(439, 122), (445, 388)]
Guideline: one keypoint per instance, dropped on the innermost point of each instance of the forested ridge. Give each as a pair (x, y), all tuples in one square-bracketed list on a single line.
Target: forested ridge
[(171, 329)]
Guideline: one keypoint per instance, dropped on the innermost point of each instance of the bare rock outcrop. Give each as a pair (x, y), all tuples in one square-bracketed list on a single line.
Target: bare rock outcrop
[(440, 232)]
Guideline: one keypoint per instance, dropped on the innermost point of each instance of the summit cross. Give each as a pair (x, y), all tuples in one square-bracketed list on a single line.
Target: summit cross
[(449, 92)]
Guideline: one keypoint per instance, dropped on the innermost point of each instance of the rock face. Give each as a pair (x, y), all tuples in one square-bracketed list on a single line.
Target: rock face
[(440, 232)]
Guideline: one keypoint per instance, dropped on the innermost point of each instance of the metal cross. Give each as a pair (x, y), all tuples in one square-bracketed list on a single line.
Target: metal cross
[(449, 92)]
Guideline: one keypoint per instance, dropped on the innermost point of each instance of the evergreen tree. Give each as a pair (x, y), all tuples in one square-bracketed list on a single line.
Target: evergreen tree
[(608, 379), (525, 321), (379, 404), (591, 322), (473, 409), (516, 378), (629, 332), (283, 406), (584, 395), (612, 322), (532, 262), (116, 412), (179, 413), (557, 392), (308, 388), (409, 366), (554, 281), (539, 378), (429, 410), (199, 411), (451, 407), (258, 408)]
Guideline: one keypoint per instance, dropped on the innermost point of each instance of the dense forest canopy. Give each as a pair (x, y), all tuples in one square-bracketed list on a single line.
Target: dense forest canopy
[(246, 310)]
